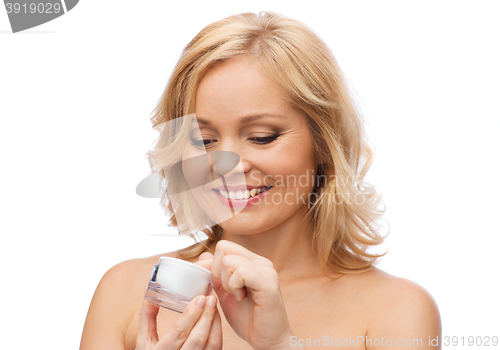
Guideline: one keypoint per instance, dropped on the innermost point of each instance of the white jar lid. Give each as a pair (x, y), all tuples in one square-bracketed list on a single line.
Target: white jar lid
[(164, 260)]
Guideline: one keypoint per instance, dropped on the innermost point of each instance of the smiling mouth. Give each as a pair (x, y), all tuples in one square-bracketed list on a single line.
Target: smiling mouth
[(236, 195)]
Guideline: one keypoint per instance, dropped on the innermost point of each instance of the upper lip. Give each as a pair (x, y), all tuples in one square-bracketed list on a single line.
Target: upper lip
[(238, 188)]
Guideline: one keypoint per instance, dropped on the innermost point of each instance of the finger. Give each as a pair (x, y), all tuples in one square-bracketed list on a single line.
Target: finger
[(205, 260), (236, 284), (224, 248), (205, 255), (225, 275), (214, 341), (147, 335), (217, 263), (198, 336), (249, 275), (177, 335), (231, 248)]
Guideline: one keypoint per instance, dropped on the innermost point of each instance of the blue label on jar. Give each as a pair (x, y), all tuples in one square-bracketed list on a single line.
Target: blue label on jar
[(153, 274)]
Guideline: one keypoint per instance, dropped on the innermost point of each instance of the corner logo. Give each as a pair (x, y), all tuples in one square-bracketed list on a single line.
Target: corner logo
[(28, 14)]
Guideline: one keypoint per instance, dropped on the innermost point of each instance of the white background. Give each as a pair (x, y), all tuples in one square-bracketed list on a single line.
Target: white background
[(75, 99)]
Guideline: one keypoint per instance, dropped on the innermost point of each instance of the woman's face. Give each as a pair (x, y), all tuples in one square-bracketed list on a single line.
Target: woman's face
[(239, 109)]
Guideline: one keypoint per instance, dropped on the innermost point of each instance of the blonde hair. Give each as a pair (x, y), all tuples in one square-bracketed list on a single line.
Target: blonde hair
[(301, 63)]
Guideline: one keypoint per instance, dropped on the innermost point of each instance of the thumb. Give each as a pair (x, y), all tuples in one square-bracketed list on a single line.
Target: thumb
[(205, 260), (147, 335)]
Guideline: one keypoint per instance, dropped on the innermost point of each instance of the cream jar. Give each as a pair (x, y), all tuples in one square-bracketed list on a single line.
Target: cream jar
[(175, 282)]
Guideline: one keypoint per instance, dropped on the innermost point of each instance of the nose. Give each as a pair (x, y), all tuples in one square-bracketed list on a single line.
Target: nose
[(225, 163), (230, 161)]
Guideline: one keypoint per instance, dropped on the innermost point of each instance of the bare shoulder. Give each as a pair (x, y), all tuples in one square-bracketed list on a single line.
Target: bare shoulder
[(399, 309), (116, 299), (395, 292)]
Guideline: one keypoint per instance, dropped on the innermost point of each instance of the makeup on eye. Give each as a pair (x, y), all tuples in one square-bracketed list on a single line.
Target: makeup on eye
[(265, 140), (257, 140)]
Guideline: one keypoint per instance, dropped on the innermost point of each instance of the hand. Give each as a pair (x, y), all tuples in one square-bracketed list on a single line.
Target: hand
[(199, 327), (249, 294)]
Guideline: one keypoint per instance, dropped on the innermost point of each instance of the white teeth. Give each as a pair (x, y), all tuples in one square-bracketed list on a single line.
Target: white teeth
[(241, 194)]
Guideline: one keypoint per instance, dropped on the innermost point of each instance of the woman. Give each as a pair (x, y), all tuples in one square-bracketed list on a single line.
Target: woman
[(292, 270)]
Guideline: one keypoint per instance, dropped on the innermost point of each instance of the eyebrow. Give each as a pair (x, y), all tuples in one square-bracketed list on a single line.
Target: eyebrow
[(244, 120)]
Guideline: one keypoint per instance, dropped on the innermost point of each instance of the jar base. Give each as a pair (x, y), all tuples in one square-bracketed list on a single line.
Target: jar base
[(160, 296)]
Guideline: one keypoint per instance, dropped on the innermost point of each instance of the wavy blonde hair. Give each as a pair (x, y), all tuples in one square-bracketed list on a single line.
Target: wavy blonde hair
[(301, 63)]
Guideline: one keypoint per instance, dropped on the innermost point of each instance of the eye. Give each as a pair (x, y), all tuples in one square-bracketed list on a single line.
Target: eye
[(264, 140), (200, 143)]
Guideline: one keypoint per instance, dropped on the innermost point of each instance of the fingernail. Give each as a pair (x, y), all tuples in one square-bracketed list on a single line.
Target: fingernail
[(201, 302), (212, 301)]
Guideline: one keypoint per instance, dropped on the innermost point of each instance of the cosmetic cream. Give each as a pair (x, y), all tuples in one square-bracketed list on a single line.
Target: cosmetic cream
[(175, 282)]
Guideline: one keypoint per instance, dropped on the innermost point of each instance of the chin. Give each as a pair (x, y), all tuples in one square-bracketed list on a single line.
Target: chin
[(234, 226)]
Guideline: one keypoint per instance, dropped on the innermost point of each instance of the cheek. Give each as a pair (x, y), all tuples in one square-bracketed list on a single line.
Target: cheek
[(289, 160), (196, 169)]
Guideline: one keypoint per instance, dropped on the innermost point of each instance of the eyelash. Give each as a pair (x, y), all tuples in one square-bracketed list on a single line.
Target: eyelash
[(260, 141)]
